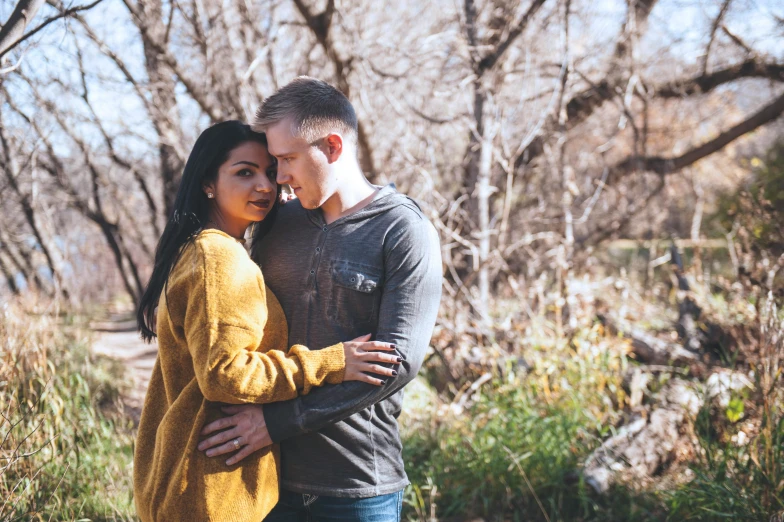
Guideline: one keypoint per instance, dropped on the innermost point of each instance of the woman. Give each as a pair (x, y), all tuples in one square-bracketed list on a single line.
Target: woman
[(222, 338)]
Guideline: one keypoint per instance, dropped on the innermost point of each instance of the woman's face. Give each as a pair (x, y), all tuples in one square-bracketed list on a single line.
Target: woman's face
[(245, 188)]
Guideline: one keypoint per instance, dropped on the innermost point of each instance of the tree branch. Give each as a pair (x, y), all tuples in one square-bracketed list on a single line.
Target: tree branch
[(199, 96), (13, 30), (6, 47), (716, 23), (489, 61), (707, 82), (665, 166)]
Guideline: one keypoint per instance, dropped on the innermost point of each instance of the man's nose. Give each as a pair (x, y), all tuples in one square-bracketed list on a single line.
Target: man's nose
[(282, 178)]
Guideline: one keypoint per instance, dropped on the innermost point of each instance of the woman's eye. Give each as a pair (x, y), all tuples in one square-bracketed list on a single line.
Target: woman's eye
[(245, 173)]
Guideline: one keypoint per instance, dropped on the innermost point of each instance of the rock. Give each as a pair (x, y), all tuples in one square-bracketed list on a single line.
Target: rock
[(721, 385)]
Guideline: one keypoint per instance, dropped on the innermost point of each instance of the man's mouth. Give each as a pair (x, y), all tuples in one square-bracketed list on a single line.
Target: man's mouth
[(296, 189), (261, 203)]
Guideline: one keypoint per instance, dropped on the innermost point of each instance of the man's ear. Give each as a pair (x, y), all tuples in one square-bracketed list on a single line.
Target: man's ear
[(333, 145)]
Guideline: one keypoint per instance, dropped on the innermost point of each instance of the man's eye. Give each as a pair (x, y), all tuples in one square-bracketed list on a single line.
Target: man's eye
[(287, 160)]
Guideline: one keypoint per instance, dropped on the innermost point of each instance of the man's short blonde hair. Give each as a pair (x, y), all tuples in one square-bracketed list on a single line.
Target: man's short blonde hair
[(315, 108)]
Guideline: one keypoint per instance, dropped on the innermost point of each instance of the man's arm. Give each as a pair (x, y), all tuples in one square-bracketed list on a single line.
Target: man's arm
[(409, 305)]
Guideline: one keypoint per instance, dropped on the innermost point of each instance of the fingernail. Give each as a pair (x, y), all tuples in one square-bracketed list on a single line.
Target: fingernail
[(394, 347), (383, 381), (200, 447), (399, 359), (210, 453), (394, 373)]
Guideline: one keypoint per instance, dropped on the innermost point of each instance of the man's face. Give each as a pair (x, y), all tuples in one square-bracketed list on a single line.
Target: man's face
[(301, 165)]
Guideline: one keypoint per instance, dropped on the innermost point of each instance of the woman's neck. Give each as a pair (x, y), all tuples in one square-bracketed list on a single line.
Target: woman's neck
[(235, 230)]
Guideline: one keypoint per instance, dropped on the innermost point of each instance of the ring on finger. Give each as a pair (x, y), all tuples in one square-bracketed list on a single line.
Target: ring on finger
[(236, 443)]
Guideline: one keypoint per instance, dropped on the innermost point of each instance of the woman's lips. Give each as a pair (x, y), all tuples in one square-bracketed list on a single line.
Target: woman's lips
[(262, 203)]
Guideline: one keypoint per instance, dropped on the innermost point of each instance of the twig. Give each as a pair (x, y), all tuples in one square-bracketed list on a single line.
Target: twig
[(528, 482)]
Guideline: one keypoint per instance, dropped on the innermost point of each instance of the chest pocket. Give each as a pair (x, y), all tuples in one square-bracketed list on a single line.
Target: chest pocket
[(355, 293)]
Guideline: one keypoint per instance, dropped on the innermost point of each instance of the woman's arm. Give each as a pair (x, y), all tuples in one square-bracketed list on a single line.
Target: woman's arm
[(223, 326)]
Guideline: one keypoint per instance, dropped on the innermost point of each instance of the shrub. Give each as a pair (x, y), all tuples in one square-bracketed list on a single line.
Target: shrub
[(65, 448)]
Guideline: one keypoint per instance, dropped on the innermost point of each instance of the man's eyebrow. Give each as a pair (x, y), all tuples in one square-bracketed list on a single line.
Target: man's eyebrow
[(246, 163)]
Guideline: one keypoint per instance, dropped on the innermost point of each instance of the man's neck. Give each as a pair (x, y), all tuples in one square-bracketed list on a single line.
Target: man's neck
[(354, 195)]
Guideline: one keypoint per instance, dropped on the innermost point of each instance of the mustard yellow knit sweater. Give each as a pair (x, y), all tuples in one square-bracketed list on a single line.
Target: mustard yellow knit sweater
[(222, 338)]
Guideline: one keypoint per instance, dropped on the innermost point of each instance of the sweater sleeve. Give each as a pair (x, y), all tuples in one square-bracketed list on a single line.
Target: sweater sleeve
[(223, 326)]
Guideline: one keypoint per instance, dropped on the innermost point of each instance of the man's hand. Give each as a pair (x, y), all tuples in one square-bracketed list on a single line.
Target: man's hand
[(246, 426)]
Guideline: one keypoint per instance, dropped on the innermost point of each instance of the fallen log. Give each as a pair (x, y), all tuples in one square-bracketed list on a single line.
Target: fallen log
[(645, 444), (648, 348)]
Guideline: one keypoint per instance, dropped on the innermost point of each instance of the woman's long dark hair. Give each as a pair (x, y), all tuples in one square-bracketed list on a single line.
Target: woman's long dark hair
[(191, 207)]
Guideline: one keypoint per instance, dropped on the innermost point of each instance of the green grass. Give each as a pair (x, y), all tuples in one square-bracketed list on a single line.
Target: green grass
[(733, 482), (515, 452), (512, 457)]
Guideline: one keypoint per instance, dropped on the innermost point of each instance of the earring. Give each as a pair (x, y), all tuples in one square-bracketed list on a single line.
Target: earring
[(210, 195)]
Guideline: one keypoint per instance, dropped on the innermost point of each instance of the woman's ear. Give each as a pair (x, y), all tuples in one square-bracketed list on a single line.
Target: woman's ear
[(209, 189)]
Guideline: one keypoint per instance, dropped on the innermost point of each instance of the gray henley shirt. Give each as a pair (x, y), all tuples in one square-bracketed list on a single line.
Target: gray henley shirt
[(375, 271)]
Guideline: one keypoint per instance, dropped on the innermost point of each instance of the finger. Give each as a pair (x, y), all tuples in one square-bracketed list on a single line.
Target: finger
[(380, 357), (361, 377), (241, 454), (378, 370), (233, 409), (377, 345), (220, 424), (361, 339), (220, 438), (222, 449)]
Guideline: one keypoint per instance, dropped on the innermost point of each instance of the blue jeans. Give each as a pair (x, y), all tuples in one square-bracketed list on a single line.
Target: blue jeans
[(298, 507)]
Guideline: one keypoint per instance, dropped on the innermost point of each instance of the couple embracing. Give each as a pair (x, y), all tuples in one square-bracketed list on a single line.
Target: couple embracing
[(279, 376)]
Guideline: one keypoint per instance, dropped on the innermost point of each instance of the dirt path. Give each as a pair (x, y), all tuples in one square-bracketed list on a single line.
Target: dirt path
[(117, 338)]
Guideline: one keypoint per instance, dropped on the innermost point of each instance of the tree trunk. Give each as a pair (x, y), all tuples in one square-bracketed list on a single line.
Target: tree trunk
[(149, 15), (10, 277), (484, 190)]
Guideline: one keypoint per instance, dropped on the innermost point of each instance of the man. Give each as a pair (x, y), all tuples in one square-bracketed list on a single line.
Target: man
[(346, 258)]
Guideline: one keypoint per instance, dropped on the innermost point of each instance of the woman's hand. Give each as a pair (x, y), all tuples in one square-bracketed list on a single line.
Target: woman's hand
[(362, 356)]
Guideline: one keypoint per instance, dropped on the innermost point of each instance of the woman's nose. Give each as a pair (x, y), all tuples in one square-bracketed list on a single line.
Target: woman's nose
[(264, 186)]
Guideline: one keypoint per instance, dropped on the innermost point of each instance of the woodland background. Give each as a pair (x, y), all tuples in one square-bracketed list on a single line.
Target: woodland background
[(607, 179)]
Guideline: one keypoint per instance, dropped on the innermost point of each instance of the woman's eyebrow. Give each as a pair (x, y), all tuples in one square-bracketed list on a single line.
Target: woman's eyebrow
[(246, 163)]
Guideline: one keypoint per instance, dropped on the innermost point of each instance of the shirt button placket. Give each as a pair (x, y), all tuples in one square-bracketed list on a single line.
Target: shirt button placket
[(316, 257)]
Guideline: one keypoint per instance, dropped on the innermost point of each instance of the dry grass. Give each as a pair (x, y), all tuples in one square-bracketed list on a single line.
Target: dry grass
[(65, 446)]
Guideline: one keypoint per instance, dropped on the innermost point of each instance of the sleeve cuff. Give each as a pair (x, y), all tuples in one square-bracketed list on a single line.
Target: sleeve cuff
[(325, 366), (282, 419)]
